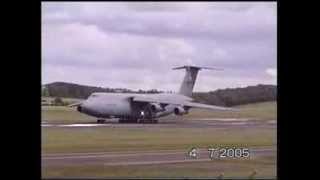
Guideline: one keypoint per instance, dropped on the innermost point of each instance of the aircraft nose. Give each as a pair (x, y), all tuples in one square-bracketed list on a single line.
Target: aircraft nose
[(84, 107), (79, 108), (87, 108)]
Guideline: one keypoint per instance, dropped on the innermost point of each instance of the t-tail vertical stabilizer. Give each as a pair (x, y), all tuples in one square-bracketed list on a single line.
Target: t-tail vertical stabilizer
[(190, 77)]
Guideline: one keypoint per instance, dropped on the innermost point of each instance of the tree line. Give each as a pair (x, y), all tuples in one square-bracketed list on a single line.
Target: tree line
[(237, 96), (222, 97)]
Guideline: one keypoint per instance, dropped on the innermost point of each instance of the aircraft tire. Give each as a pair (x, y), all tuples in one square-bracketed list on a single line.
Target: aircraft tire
[(101, 121)]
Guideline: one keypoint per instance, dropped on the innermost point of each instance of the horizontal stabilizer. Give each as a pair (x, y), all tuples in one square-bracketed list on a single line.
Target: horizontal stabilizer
[(197, 67)]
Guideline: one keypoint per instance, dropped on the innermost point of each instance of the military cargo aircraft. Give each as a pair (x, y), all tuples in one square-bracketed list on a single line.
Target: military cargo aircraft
[(145, 108)]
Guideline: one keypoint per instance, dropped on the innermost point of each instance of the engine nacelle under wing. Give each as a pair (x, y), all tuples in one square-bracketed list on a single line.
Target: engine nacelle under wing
[(179, 110), (155, 107)]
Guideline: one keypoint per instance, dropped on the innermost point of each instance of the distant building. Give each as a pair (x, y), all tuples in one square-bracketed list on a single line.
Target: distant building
[(46, 102)]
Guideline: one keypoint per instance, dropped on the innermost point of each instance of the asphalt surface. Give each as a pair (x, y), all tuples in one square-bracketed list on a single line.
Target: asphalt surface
[(204, 123)]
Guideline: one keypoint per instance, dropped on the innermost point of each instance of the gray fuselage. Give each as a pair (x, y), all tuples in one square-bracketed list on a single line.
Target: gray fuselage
[(106, 105)]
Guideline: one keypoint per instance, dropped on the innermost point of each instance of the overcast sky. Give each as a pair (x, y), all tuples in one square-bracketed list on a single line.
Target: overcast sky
[(135, 45)]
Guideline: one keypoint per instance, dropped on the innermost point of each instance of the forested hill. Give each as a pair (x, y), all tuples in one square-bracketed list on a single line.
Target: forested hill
[(224, 97), (71, 90), (237, 96)]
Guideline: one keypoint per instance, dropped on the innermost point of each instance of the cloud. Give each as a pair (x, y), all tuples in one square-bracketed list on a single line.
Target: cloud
[(272, 72), (134, 45), (221, 21)]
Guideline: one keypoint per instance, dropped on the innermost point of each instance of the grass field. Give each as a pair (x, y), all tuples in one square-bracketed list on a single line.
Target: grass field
[(104, 139), (65, 140), (262, 167), (73, 140), (63, 114)]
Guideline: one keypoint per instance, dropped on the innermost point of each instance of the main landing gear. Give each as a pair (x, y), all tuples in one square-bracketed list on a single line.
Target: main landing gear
[(101, 121), (136, 120), (148, 116), (131, 120)]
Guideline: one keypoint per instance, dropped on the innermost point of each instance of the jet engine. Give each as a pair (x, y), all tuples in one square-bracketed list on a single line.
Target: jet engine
[(179, 110), (156, 107)]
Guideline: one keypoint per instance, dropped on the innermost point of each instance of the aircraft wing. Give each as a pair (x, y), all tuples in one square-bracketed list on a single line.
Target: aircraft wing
[(206, 106), (181, 103)]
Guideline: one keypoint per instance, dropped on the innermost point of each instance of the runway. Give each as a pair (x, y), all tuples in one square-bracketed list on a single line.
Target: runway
[(203, 123), (142, 158)]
